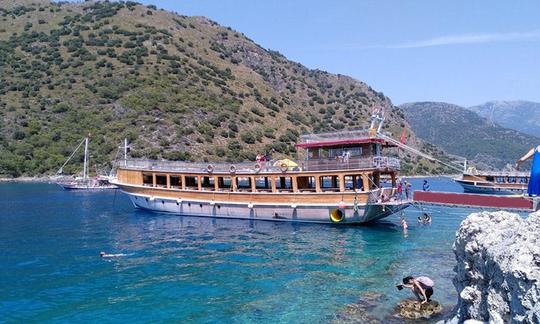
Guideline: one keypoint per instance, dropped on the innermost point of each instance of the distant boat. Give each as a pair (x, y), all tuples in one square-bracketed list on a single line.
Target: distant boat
[(85, 182), (494, 182)]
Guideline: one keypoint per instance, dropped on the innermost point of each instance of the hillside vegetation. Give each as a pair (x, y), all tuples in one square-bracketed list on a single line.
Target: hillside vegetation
[(179, 88), (523, 116), (462, 132)]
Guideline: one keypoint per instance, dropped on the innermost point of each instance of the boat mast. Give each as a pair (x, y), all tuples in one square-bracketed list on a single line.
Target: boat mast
[(125, 151), (85, 167)]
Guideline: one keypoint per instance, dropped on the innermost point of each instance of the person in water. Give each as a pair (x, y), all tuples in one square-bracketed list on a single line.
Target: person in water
[(534, 181), (424, 219), (105, 255), (422, 287)]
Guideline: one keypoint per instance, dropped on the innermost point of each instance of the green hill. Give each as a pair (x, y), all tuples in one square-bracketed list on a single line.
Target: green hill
[(462, 132), (179, 88)]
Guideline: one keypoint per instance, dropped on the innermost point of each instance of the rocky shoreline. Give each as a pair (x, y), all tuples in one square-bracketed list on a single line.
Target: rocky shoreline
[(26, 179), (498, 268)]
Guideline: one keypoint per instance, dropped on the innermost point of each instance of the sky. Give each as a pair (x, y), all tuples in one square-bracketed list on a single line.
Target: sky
[(463, 52)]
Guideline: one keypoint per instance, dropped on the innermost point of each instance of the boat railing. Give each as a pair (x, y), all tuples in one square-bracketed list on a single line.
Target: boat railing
[(378, 162)]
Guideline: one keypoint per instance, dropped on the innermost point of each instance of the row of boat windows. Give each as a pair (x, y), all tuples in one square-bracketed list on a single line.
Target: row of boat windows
[(523, 180), (303, 183)]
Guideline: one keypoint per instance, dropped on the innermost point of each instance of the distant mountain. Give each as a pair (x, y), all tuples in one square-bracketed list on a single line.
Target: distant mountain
[(463, 132), (523, 116)]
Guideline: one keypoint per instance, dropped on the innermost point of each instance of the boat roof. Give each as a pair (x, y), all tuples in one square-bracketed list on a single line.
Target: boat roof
[(338, 139)]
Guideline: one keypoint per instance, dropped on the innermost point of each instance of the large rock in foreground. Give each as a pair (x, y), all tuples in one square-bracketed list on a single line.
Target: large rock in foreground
[(498, 268)]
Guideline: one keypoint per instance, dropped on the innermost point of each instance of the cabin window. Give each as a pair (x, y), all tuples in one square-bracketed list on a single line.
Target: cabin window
[(306, 183), (336, 152), (148, 180), (329, 183), (192, 182), (161, 180), (263, 184), (354, 182), (355, 151), (489, 178), (523, 180), (224, 183), (243, 183), (284, 183), (208, 183), (499, 179), (176, 181)]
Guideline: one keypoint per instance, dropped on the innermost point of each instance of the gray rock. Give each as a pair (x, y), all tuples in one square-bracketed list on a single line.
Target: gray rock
[(498, 268)]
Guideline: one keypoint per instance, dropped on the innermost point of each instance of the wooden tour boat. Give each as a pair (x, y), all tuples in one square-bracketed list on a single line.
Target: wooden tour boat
[(343, 179)]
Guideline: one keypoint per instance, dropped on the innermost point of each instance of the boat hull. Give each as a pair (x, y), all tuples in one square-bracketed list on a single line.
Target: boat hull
[(309, 213), (471, 187), (77, 186)]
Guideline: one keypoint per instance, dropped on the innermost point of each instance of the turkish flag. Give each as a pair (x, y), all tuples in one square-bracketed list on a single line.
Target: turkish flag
[(403, 136)]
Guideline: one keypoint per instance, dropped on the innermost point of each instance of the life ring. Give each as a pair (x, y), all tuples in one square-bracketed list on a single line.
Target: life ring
[(257, 168), (283, 167), (210, 168), (337, 215), (232, 169)]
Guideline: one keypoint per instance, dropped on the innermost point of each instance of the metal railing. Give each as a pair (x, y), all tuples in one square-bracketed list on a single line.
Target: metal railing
[(334, 136), (378, 162)]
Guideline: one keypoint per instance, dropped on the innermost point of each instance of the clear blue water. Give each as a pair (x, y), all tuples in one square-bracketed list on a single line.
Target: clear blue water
[(204, 270)]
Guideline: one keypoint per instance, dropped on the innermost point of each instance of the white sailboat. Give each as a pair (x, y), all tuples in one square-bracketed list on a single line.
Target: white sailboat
[(85, 182)]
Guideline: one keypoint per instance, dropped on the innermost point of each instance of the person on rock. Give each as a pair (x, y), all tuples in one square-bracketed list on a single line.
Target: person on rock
[(422, 287)]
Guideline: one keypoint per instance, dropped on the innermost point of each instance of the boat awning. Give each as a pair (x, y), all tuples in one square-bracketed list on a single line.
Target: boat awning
[(342, 142)]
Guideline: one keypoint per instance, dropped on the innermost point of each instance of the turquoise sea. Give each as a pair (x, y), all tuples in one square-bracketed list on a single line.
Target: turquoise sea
[(189, 269)]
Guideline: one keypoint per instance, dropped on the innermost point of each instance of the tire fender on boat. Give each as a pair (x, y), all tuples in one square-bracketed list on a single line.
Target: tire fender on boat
[(337, 215)]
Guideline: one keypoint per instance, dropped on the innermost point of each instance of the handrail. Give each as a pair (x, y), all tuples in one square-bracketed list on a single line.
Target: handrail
[(377, 162)]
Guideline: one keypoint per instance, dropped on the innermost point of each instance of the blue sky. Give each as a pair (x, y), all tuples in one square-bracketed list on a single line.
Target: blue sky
[(463, 52)]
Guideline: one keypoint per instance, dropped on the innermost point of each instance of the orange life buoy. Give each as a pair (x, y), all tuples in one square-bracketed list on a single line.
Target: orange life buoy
[(257, 168), (284, 167)]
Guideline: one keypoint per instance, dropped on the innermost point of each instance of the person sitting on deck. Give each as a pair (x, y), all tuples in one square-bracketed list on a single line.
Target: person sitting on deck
[(534, 181)]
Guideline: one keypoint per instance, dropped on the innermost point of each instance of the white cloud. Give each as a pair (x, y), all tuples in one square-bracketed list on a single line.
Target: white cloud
[(465, 39)]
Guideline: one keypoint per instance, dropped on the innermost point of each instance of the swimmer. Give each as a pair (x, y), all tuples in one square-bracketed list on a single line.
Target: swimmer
[(105, 255), (403, 223), (424, 219)]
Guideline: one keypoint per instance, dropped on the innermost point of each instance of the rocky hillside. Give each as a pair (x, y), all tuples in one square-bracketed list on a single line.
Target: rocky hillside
[(523, 116), (179, 88), (462, 132)]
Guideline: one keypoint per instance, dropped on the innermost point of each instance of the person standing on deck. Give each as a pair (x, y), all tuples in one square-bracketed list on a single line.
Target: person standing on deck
[(400, 190), (534, 181), (407, 189)]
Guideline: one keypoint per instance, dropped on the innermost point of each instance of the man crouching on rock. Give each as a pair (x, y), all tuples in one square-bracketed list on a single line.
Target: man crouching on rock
[(422, 287)]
